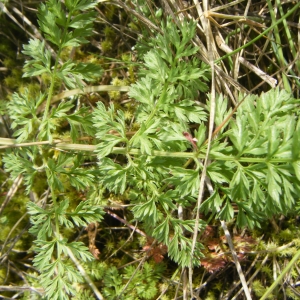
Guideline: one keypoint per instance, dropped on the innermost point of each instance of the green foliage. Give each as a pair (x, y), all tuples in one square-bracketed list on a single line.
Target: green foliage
[(24, 114), (142, 282), (60, 269), (261, 162), (256, 168), (254, 161), (259, 289), (164, 92), (63, 25), (22, 162), (83, 295), (104, 121)]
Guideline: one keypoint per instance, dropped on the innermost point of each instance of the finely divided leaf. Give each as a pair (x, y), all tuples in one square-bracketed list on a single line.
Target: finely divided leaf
[(239, 184), (226, 212), (156, 65), (274, 183), (41, 58)]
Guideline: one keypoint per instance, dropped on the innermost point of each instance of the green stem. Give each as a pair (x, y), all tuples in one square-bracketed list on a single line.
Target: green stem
[(57, 231), (159, 101), (120, 150), (53, 75), (290, 41), (261, 35), (53, 196), (124, 150), (50, 93), (278, 48), (46, 113), (281, 276)]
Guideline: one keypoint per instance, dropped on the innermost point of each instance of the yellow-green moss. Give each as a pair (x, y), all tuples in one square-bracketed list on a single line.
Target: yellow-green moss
[(210, 296), (11, 82), (109, 246), (3, 273), (109, 32), (134, 26), (106, 45), (9, 63), (290, 294), (46, 79), (259, 289), (286, 235), (65, 53), (109, 11), (115, 95), (288, 252), (266, 269)]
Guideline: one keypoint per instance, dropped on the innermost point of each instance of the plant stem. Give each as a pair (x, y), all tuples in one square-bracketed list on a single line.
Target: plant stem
[(53, 75), (85, 275), (51, 88), (281, 276), (123, 150), (278, 48), (159, 101), (261, 35)]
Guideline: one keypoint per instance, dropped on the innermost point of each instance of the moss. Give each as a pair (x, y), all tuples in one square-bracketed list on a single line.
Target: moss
[(259, 289), (115, 95), (131, 72), (297, 242), (267, 271), (94, 60), (5, 230), (11, 82), (106, 46), (288, 252), (25, 242), (34, 89), (68, 233), (286, 235), (9, 63), (292, 294), (109, 32), (219, 286), (133, 26), (96, 269), (7, 49), (46, 79), (128, 115), (126, 57), (210, 296), (135, 126), (109, 246), (66, 53), (3, 273), (109, 11), (83, 294), (17, 73), (15, 210), (40, 185)]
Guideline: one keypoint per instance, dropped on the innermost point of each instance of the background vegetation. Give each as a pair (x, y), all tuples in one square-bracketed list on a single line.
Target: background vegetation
[(149, 149)]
